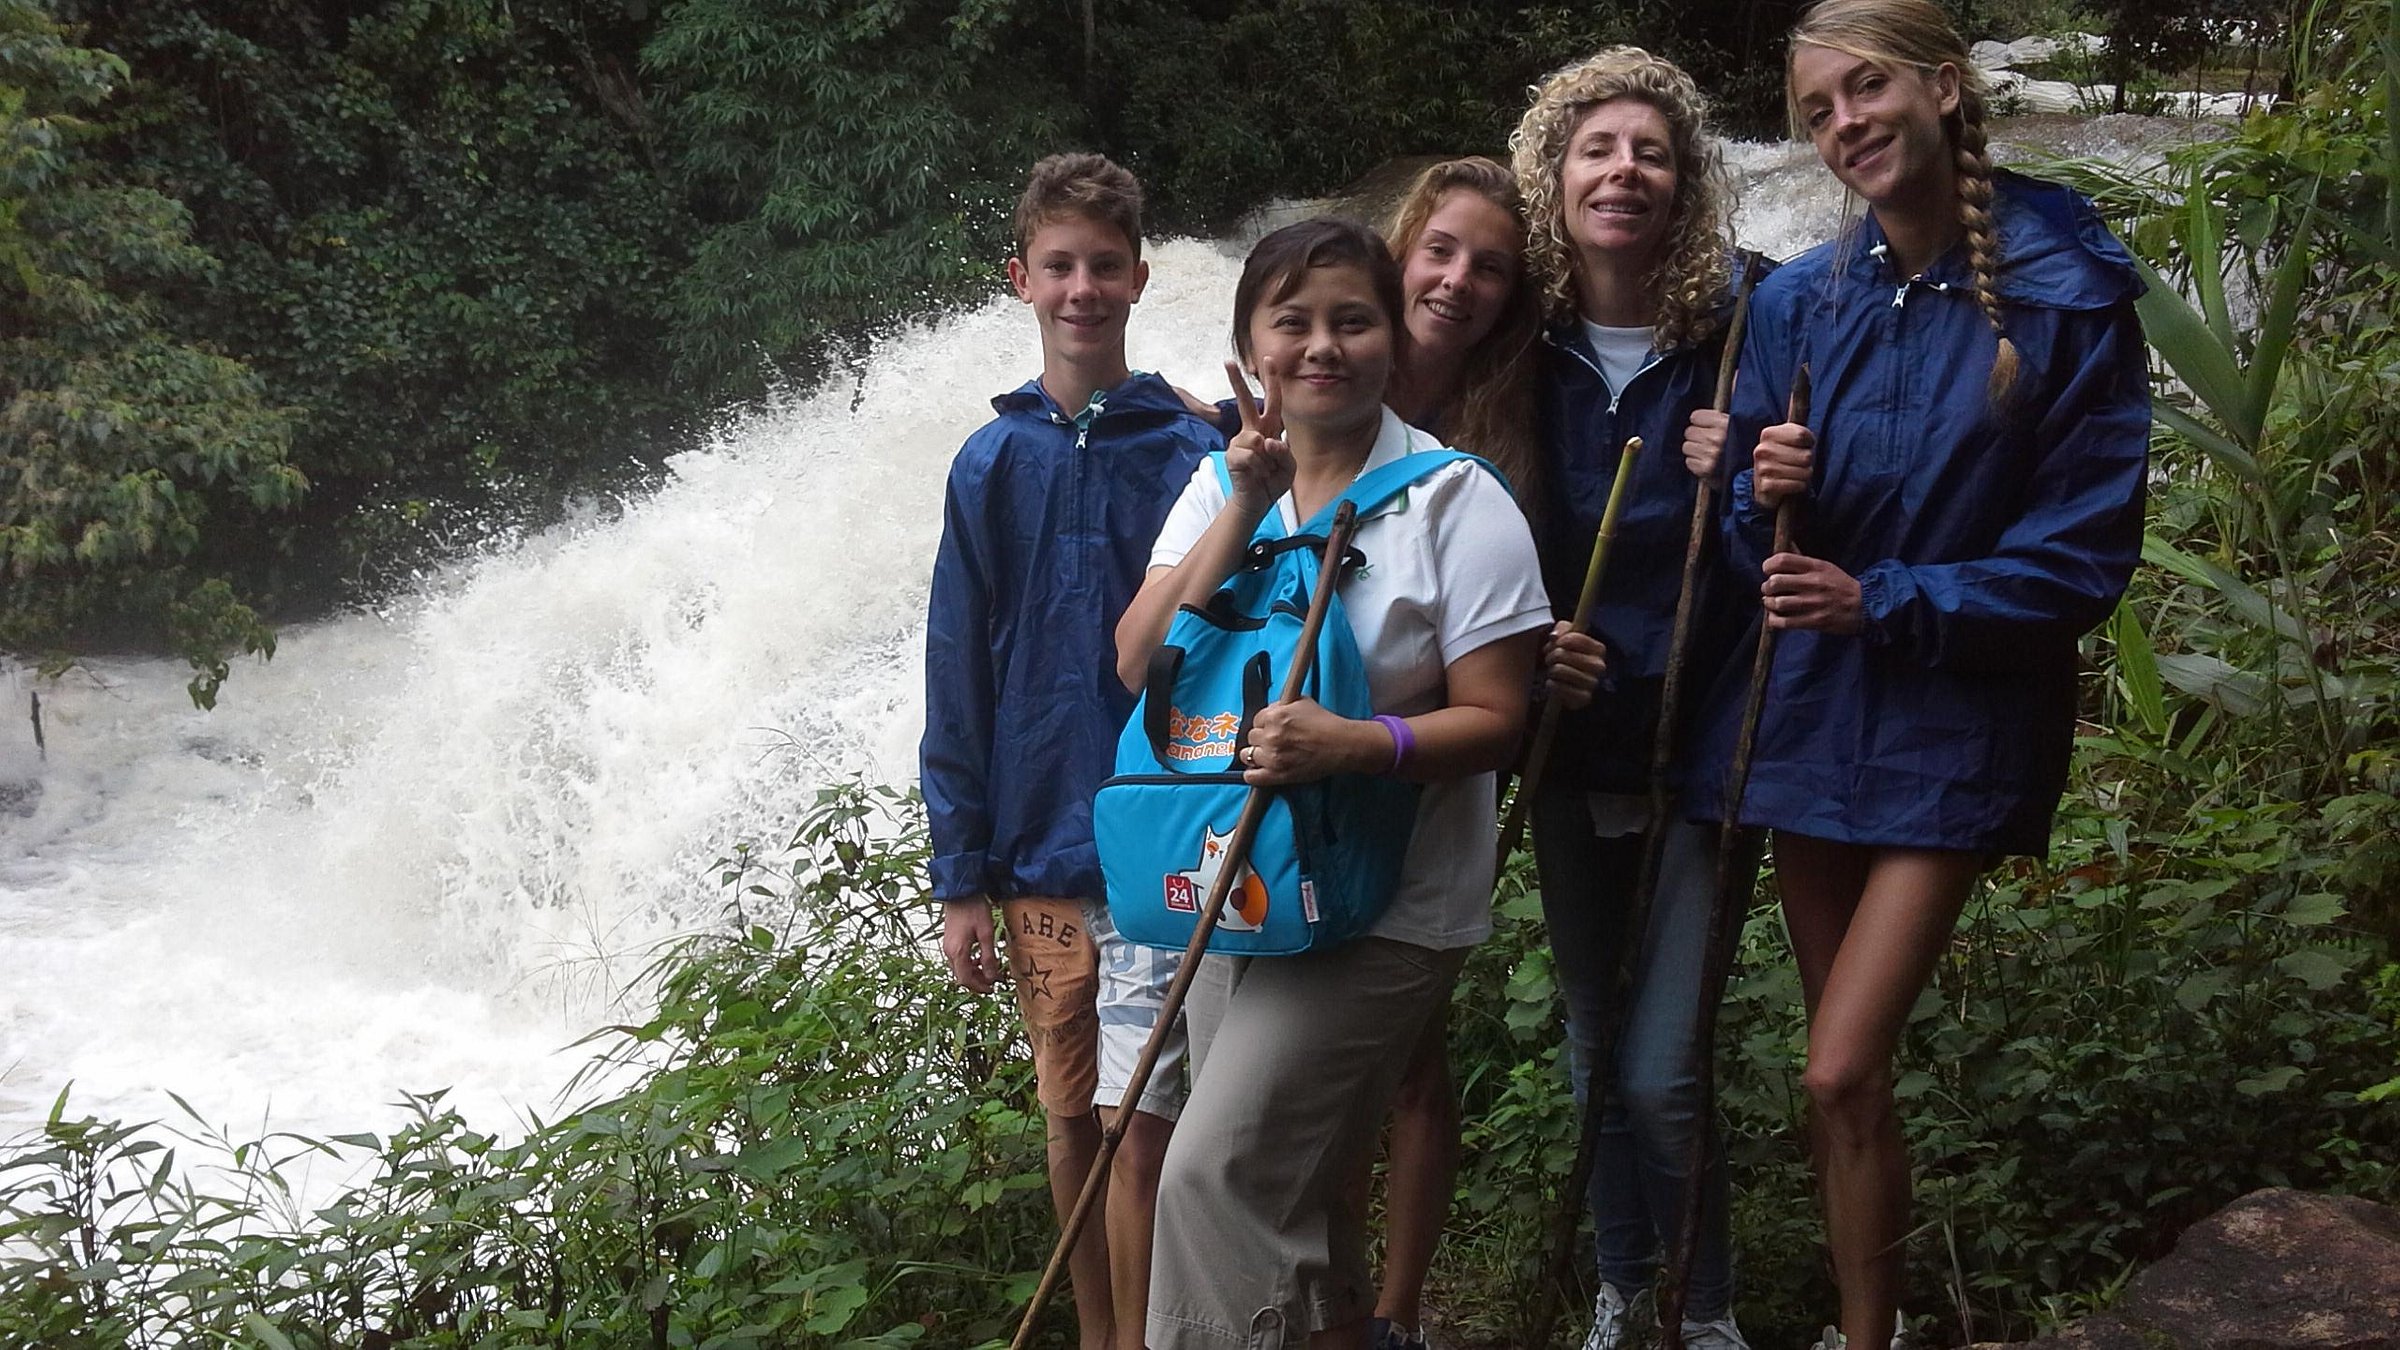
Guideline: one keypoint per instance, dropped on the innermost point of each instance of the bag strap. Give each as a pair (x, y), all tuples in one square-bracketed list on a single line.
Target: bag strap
[(1158, 698), (1379, 485), (1158, 694), (1371, 490)]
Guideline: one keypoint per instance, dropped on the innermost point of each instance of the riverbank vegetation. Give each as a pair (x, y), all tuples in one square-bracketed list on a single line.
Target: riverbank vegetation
[(816, 1139)]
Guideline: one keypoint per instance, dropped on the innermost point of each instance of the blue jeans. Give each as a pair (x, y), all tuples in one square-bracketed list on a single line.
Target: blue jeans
[(1652, 1110)]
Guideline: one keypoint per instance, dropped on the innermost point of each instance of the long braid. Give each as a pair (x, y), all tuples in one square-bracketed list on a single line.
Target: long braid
[(1983, 244)]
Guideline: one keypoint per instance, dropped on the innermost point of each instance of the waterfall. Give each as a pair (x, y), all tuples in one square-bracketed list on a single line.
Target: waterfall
[(426, 846)]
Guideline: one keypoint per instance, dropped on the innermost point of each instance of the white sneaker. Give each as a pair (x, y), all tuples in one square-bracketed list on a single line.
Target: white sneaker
[(1613, 1318), (1720, 1334), (1833, 1339)]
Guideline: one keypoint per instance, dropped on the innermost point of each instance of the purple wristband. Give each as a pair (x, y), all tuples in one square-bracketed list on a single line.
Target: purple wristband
[(1404, 741)]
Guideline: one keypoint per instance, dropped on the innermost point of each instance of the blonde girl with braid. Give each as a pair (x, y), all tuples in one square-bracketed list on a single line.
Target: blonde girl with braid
[(1968, 486)]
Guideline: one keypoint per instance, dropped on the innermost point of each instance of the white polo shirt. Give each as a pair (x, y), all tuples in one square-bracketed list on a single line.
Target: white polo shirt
[(1450, 567)]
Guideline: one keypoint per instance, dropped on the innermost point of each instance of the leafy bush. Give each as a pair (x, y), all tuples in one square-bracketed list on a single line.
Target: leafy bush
[(439, 232), (128, 455)]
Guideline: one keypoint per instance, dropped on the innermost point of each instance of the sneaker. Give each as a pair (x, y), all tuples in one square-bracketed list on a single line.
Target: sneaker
[(1614, 1318), (1382, 1335), (1833, 1339), (1720, 1334)]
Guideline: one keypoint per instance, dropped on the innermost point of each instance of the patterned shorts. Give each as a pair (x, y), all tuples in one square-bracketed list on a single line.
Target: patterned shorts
[(1133, 986)]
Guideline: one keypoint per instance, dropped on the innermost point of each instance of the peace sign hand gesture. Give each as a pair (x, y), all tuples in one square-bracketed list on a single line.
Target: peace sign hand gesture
[(1257, 459)]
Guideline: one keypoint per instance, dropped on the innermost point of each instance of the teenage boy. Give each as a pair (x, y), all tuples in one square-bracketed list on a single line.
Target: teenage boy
[(1051, 510)]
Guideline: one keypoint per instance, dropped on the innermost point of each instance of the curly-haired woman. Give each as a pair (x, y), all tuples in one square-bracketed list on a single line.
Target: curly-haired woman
[(1627, 222)]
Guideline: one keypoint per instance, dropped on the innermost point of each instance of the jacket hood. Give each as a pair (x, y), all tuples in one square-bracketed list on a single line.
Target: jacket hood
[(1141, 392), (2055, 252)]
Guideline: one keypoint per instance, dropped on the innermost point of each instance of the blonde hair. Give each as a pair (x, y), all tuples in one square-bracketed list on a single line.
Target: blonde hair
[(1918, 35), (1493, 414), (1691, 275)]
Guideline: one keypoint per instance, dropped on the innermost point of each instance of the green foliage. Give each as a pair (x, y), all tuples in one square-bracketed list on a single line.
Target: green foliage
[(2165, 1014), (817, 1140), (438, 231), (854, 159), (128, 455)]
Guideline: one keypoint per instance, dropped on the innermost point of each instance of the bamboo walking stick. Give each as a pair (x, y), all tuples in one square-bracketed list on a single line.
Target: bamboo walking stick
[(1237, 856), (1637, 916), (1537, 756), (1722, 925)]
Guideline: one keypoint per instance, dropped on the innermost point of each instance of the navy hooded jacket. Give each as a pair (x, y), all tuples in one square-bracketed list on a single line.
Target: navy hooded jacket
[(1606, 747), (1046, 530), (1986, 539)]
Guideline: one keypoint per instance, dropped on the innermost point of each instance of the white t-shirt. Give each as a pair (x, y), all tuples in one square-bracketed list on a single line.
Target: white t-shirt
[(1450, 567), (1622, 351)]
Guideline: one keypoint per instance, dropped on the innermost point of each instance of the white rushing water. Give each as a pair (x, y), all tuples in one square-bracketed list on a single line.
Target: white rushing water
[(426, 847)]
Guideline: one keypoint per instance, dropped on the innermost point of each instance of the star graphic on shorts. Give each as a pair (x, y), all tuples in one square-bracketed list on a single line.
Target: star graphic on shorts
[(1036, 976)]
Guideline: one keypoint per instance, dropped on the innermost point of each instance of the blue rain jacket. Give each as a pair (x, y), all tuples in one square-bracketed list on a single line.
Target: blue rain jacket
[(1046, 530), (1606, 747), (1985, 539)]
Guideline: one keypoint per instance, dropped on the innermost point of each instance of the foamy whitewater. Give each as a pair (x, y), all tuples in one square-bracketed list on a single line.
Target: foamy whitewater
[(428, 847)]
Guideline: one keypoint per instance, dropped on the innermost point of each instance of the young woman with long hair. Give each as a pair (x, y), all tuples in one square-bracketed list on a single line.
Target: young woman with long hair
[(1465, 373), (1970, 497)]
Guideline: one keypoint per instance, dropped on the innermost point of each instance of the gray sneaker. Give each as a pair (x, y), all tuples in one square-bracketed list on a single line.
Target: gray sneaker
[(1615, 1319)]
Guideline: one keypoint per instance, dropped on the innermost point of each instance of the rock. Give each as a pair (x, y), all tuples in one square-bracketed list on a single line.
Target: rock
[(2017, 93), (2031, 51), (2277, 1269), (2274, 1270)]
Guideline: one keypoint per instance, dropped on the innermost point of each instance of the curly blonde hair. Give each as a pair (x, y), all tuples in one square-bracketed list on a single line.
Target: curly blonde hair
[(1692, 274), (1918, 35), (1493, 414)]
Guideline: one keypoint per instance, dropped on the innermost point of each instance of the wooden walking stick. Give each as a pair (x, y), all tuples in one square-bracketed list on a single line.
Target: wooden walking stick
[(1537, 756), (1637, 915), (1237, 856), (1730, 899)]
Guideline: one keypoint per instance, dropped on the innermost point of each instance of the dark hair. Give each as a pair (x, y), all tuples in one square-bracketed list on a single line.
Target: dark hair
[(1282, 260), (1087, 185)]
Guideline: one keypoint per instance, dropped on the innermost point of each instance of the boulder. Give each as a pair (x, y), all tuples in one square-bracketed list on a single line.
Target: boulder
[(2278, 1270), (2274, 1270)]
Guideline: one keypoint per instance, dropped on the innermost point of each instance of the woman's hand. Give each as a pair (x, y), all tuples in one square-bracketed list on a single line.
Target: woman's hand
[(1704, 442), (1300, 742), (1572, 664), (1257, 459), (1805, 592), (1780, 466)]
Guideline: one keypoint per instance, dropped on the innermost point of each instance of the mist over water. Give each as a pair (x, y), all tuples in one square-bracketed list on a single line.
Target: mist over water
[(429, 846)]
